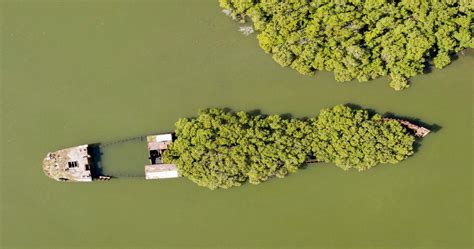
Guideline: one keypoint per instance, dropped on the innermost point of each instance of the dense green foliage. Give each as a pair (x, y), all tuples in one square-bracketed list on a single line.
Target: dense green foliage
[(221, 149), (359, 39)]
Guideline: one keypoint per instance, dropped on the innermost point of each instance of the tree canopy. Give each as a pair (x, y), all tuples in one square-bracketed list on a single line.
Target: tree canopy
[(220, 149), (359, 39)]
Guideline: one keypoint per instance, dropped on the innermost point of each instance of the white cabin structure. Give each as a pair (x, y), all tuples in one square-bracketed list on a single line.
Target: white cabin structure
[(161, 171)]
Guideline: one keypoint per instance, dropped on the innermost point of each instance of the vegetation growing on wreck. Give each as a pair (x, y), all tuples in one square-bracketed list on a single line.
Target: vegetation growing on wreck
[(220, 149), (359, 39)]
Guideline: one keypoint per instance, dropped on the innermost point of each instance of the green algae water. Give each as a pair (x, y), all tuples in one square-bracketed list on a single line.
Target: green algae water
[(97, 71)]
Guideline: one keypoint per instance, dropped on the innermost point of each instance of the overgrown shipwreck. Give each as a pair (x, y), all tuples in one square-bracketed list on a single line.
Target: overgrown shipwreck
[(74, 164)]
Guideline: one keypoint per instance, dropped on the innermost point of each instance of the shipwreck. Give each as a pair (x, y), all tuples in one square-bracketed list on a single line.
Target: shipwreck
[(74, 164)]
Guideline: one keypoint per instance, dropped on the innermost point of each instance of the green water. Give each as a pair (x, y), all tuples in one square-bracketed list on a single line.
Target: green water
[(95, 71)]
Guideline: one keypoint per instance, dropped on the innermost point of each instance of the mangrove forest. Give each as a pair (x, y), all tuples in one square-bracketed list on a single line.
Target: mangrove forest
[(358, 39)]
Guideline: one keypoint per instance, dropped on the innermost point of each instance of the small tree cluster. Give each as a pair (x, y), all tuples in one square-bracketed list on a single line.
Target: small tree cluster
[(359, 39), (220, 149)]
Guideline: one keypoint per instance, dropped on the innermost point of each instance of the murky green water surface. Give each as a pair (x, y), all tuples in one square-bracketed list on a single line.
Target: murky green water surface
[(95, 71)]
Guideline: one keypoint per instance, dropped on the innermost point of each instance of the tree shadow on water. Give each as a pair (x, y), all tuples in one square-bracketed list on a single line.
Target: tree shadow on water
[(258, 112), (254, 112), (286, 116), (427, 66)]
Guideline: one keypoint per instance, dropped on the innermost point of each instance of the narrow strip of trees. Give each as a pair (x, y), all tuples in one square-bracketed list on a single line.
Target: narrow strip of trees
[(220, 149), (358, 39)]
